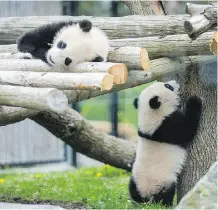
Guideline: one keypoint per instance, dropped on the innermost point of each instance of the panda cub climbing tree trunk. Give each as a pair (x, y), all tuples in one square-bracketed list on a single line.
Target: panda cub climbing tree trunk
[(164, 135)]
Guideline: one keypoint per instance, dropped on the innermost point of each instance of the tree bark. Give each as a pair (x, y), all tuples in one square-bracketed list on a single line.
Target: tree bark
[(45, 99), (199, 80)]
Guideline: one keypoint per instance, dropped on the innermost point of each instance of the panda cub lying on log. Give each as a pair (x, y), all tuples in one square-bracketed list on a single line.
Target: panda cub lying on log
[(164, 134), (66, 43)]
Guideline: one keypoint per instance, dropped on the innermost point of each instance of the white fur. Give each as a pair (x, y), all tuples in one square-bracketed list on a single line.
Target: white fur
[(156, 165), (81, 46), (149, 119)]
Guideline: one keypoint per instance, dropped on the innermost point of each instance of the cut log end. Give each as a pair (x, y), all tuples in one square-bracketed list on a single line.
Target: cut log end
[(57, 101), (144, 58), (213, 46), (107, 82), (119, 72)]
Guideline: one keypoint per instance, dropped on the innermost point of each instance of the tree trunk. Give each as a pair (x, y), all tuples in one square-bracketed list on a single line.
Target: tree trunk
[(74, 130), (199, 80)]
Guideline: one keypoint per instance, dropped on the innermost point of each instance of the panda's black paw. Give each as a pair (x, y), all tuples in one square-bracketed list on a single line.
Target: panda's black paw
[(194, 103), (85, 25)]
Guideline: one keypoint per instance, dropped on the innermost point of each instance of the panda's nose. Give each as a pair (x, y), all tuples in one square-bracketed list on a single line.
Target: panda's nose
[(67, 61)]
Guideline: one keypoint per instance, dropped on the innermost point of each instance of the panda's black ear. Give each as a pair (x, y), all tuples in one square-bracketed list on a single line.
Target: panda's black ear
[(85, 25), (135, 103), (154, 103)]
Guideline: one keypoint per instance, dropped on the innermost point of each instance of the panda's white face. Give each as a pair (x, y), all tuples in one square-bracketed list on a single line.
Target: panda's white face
[(72, 45), (155, 103)]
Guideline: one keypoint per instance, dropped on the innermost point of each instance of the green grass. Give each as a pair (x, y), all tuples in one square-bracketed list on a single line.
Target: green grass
[(101, 188), (99, 108)]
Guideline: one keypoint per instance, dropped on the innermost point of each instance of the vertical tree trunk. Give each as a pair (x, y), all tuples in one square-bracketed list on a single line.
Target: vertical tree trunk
[(201, 81)]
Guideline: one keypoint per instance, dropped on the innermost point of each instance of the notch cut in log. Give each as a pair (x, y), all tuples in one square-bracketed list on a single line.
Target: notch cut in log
[(213, 45), (103, 81), (170, 46), (44, 99), (204, 17), (133, 57)]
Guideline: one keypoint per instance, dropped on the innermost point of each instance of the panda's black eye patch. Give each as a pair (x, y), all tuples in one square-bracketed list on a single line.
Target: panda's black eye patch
[(61, 45), (169, 87)]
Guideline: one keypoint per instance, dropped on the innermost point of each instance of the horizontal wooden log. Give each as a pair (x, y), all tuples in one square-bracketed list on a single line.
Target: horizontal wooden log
[(44, 99), (172, 45), (156, 47), (8, 48), (133, 57), (203, 18), (158, 69), (196, 9), (9, 115), (115, 27), (118, 70), (101, 81), (161, 67)]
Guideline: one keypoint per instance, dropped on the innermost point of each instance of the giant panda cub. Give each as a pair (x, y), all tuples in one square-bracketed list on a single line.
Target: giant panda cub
[(164, 134), (65, 43)]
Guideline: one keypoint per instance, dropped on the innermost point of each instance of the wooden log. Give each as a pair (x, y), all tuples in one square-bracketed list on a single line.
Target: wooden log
[(158, 69), (156, 47), (115, 27), (118, 70), (9, 115), (133, 57), (169, 66), (204, 17), (195, 9), (172, 45), (45, 99), (8, 48), (102, 81)]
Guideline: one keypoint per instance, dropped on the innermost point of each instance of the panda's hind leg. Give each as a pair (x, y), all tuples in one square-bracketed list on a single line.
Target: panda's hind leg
[(166, 195), (134, 194)]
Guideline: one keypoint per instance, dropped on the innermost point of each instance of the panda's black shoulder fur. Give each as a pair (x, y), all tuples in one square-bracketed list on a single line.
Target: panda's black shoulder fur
[(170, 131), (37, 41), (178, 128)]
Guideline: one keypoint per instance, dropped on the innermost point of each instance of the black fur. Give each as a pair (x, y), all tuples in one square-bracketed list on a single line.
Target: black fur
[(178, 128), (98, 59), (165, 196), (37, 42), (135, 103), (135, 195), (85, 25), (154, 103)]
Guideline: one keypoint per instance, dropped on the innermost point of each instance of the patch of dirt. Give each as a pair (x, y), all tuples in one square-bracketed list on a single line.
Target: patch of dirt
[(63, 204)]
